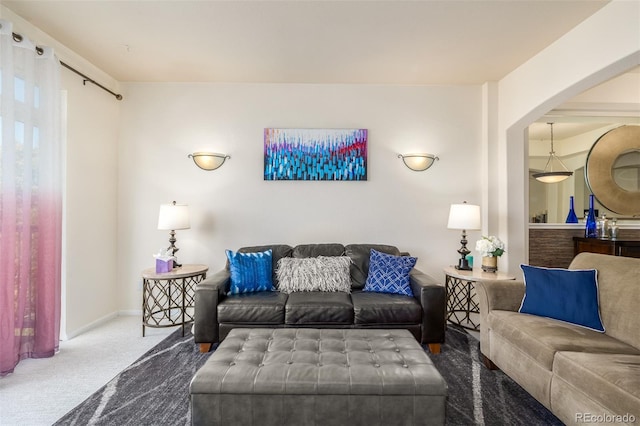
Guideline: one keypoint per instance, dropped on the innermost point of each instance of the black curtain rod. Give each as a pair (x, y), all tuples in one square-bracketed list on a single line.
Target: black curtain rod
[(90, 80), (18, 38)]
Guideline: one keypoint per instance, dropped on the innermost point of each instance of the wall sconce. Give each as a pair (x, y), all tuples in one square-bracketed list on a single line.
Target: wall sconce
[(418, 162), (208, 160)]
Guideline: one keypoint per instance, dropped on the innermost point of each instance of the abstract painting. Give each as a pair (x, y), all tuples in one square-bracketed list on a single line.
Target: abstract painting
[(315, 154)]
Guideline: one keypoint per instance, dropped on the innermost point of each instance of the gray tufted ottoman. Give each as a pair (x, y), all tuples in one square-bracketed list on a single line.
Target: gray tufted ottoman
[(290, 376)]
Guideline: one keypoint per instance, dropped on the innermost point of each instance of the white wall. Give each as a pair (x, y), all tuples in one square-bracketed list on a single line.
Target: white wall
[(89, 244), (233, 206), (91, 200)]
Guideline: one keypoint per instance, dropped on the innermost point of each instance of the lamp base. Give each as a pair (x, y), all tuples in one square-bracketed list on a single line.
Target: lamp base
[(173, 249), (463, 265)]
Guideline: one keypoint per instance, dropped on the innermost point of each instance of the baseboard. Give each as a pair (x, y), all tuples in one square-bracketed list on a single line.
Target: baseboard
[(98, 322), (130, 313), (91, 325)]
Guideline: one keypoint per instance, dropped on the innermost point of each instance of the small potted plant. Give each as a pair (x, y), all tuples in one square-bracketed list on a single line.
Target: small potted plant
[(490, 248)]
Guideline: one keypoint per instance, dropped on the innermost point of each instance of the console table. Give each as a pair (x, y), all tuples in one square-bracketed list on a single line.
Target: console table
[(168, 298), (615, 247), (462, 300)]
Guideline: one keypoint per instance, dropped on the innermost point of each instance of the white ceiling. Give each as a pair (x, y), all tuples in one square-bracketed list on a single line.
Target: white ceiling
[(326, 41), (540, 131)]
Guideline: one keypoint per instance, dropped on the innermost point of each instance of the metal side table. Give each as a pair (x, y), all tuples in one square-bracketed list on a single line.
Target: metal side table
[(168, 298), (462, 301)]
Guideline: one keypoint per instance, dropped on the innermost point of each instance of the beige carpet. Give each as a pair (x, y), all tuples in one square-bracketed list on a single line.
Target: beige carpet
[(40, 391)]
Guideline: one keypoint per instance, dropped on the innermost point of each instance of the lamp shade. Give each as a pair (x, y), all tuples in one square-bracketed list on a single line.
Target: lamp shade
[(418, 162), (552, 177), (464, 216), (173, 216), (208, 160)]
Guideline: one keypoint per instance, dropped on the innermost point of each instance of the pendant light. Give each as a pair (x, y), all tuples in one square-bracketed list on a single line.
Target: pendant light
[(549, 175)]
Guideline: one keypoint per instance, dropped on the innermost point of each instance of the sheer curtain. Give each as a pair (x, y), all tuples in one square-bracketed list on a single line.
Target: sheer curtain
[(30, 201)]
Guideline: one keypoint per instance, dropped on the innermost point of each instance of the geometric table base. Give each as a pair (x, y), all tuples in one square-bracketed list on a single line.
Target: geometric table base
[(463, 306), (462, 302), (168, 298)]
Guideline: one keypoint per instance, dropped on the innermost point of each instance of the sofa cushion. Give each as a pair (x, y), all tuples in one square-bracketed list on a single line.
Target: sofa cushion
[(612, 380), (278, 251), (250, 272), (389, 273), (562, 294), (315, 250), (322, 273), (360, 255), (266, 307), (618, 293), (384, 308), (318, 308), (541, 338)]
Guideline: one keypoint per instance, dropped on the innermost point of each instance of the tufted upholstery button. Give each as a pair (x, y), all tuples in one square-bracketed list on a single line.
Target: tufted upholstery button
[(397, 350), (232, 363), (405, 365), (289, 362), (376, 365), (260, 365)]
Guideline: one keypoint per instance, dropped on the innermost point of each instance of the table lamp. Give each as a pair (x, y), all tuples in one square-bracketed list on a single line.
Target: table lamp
[(466, 217), (173, 216)]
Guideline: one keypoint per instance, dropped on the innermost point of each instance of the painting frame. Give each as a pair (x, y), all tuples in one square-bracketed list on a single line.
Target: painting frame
[(315, 154)]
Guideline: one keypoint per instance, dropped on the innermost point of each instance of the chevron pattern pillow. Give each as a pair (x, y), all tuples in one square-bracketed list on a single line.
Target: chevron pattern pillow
[(250, 272), (389, 274)]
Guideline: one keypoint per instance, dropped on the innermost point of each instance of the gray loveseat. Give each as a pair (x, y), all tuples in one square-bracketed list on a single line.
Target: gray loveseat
[(581, 375), (217, 313)]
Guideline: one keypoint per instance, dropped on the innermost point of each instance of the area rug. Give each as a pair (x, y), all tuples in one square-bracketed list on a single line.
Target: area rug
[(154, 390)]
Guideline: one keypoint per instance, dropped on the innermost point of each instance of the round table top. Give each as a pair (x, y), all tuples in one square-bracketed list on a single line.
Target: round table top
[(181, 272), (477, 274)]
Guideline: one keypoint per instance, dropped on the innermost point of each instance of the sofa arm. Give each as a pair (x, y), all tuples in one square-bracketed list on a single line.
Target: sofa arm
[(432, 298), (208, 293), (499, 296)]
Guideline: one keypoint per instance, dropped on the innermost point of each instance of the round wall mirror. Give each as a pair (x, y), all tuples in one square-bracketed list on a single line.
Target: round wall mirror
[(626, 171), (613, 170)]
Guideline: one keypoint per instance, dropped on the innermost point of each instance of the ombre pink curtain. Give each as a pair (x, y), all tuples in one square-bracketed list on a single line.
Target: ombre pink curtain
[(30, 200)]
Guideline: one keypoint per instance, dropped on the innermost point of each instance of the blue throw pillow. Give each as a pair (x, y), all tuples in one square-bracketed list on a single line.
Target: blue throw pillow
[(389, 274), (562, 294), (250, 272)]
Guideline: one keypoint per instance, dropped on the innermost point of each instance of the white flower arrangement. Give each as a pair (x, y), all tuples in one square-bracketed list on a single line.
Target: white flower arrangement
[(490, 246)]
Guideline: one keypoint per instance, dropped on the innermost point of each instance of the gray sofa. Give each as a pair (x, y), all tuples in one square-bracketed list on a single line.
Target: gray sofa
[(581, 375), (217, 313)]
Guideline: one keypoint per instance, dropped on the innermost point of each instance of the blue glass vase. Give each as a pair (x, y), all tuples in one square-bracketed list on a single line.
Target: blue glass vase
[(571, 217), (590, 229)]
